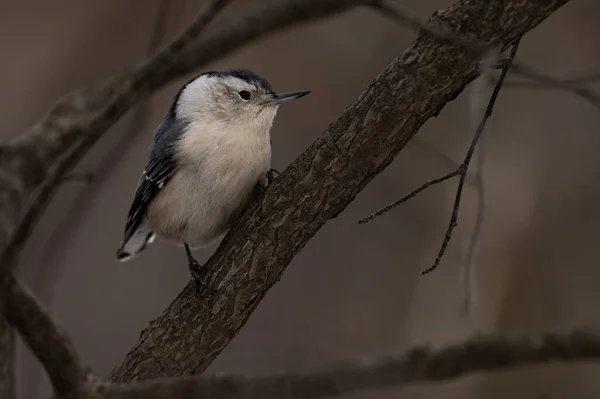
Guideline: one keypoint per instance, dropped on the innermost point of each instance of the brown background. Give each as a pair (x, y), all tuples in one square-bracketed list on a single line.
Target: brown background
[(354, 290)]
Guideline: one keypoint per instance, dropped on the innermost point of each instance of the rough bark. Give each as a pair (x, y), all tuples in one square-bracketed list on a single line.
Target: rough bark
[(321, 183)]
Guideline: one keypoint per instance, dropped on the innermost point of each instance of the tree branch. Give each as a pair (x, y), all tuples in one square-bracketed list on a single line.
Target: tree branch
[(354, 149), (47, 341), (420, 364)]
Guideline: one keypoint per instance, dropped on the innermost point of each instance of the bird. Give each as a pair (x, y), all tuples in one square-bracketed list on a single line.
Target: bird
[(208, 159)]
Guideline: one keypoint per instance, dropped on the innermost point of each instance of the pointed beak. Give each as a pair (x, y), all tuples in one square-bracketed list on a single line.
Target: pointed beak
[(283, 97)]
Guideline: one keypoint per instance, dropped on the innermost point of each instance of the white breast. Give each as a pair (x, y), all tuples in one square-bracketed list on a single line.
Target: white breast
[(216, 177)]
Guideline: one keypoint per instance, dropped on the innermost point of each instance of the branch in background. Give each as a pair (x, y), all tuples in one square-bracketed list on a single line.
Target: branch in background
[(579, 79), (478, 104), (572, 86), (418, 365), (47, 341), (341, 162), (46, 277)]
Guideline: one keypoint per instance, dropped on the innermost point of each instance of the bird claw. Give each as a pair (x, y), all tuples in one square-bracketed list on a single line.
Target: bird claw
[(198, 272), (271, 175), (199, 276)]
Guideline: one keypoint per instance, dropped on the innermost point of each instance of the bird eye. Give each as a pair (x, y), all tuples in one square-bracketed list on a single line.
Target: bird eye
[(245, 95)]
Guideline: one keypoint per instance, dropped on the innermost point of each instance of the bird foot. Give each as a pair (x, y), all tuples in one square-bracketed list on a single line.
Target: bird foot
[(271, 175), (198, 272)]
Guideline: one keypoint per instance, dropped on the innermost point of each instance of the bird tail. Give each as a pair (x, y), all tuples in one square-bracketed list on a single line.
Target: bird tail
[(135, 242)]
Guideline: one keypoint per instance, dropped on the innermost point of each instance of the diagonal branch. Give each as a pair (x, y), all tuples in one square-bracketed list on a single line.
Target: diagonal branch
[(47, 341), (321, 183)]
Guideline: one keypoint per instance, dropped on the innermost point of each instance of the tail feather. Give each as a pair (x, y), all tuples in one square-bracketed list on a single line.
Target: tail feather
[(136, 243)]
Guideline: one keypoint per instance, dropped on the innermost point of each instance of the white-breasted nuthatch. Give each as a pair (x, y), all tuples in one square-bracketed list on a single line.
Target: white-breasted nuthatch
[(208, 158)]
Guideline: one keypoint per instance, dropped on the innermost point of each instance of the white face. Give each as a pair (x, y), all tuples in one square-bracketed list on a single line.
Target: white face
[(226, 100)]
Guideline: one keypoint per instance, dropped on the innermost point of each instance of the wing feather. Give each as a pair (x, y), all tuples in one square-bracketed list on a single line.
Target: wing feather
[(155, 176)]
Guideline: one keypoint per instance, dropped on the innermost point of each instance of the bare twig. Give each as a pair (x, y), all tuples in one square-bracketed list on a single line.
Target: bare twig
[(465, 165), (410, 195), (439, 155), (460, 171), (45, 338), (420, 364)]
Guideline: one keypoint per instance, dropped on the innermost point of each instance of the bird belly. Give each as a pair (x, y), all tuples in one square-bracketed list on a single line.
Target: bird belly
[(199, 208)]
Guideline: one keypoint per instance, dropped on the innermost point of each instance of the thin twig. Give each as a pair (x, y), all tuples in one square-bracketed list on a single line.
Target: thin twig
[(410, 195), (47, 341), (437, 154), (465, 165)]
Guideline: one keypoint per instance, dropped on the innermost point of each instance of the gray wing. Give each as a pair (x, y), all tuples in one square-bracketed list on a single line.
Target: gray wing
[(160, 168)]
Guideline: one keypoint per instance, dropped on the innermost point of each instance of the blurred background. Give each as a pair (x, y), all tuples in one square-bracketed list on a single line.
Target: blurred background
[(354, 290)]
